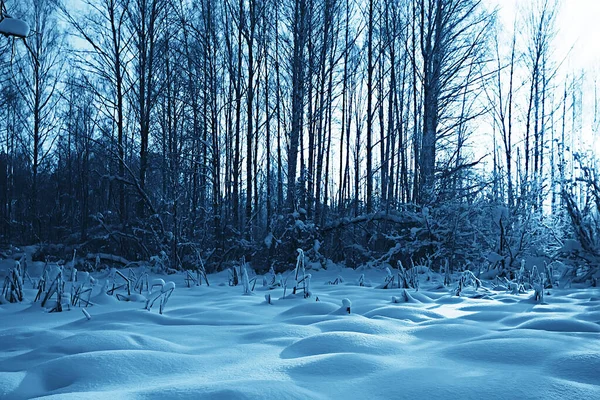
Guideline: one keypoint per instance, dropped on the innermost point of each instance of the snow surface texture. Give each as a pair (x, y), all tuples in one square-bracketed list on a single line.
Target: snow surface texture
[(217, 343)]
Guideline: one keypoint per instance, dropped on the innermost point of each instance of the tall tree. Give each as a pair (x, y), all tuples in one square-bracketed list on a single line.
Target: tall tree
[(451, 33)]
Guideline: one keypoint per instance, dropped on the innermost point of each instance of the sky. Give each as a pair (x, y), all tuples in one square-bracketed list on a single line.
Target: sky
[(578, 23), (577, 48)]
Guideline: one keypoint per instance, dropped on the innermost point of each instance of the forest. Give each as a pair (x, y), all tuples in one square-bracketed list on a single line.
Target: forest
[(365, 132)]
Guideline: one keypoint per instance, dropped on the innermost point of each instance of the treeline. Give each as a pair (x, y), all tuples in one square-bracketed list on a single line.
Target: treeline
[(229, 128)]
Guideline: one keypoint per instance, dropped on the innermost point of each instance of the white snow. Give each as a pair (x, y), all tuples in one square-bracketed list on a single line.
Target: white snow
[(214, 342)]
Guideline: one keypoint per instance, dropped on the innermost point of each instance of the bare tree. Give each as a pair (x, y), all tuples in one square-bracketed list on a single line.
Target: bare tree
[(451, 34)]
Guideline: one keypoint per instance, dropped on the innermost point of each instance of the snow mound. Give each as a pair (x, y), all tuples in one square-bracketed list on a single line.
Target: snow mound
[(315, 308), (341, 342), (413, 314), (212, 342), (448, 331), (101, 370), (514, 351), (337, 366), (559, 324), (583, 367), (359, 325)]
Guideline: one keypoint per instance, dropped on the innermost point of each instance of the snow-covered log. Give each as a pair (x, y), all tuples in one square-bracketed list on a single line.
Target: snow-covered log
[(109, 257), (14, 27)]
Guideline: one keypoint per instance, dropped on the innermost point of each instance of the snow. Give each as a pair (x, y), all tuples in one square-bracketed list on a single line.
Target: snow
[(14, 27), (212, 342)]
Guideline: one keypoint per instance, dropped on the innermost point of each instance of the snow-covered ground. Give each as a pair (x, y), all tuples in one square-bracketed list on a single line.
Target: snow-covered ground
[(217, 343)]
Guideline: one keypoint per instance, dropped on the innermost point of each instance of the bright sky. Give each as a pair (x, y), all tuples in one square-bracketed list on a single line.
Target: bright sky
[(578, 23), (578, 37)]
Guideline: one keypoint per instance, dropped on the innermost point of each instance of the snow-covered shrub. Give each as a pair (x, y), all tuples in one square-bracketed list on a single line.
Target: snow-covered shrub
[(81, 291), (287, 233), (163, 295), (271, 280), (388, 281), (407, 278), (467, 279), (404, 298), (158, 284), (119, 281), (160, 262), (12, 290), (581, 250), (139, 282), (57, 287)]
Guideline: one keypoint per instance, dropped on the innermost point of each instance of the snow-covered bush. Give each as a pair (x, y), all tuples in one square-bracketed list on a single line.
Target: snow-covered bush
[(467, 279), (581, 251), (12, 290), (56, 288), (160, 262), (163, 295), (388, 280)]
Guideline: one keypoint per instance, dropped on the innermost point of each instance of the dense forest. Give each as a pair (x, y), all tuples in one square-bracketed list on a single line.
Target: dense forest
[(362, 131)]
